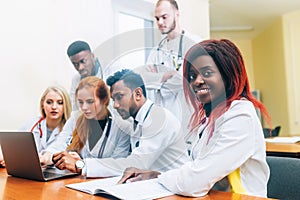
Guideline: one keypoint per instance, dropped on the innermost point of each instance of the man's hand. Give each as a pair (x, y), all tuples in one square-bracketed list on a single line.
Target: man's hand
[(167, 76), (65, 160), (132, 174), (75, 155), (152, 68)]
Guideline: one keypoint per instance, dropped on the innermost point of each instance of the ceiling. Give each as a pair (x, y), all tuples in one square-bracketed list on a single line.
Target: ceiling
[(245, 19)]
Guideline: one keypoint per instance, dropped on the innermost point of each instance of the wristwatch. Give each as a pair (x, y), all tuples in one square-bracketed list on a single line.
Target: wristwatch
[(79, 164)]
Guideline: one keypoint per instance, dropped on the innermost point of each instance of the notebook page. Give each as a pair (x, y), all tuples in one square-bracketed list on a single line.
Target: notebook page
[(94, 185), (148, 189)]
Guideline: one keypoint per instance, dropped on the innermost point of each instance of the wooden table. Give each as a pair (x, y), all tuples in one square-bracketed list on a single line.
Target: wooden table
[(18, 188), (283, 149)]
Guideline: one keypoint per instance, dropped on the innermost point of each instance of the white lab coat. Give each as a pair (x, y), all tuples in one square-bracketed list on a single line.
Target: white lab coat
[(169, 94), (117, 145), (76, 80), (237, 145), (161, 145), (40, 137)]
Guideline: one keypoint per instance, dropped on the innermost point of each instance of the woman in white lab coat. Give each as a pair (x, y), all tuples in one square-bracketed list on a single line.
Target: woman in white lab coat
[(98, 133), (55, 108), (226, 146)]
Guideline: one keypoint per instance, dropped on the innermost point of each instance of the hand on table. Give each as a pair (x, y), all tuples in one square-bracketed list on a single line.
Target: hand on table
[(132, 174), (66, 160)]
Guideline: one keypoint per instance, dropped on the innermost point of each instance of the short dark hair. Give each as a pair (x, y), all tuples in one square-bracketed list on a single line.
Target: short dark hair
[(172, 2), (77, 47), (130, 78)]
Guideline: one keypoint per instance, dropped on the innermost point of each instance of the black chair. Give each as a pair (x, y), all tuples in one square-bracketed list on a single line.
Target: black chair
[(273, 133), (284, 178)]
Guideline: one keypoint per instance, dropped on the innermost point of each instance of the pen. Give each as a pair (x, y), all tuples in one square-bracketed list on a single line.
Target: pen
[(175, 64)]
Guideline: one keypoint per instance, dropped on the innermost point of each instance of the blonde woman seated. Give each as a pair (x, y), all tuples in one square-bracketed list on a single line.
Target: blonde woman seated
[(55, 108), (97, 133)]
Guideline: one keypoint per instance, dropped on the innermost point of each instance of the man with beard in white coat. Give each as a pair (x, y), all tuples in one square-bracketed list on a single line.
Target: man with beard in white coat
[(157, 142), (163, 74)]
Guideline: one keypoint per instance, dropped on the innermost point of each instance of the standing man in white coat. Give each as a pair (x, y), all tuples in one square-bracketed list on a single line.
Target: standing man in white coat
[(85, 63), (165, 60), (157, 142)]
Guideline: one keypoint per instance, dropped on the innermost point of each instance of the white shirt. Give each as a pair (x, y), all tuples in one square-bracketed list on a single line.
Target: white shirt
[(76, 80), (40, 133), (161, 145), (169, 94), (237, 145), (167, 52), (117, 143)]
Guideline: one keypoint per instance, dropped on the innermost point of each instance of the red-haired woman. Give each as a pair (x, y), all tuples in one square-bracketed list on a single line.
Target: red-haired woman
[(97, 132), (226, 143)]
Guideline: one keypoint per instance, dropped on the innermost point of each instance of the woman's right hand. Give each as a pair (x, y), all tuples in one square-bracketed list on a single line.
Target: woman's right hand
[(46, 159), (2, 163)]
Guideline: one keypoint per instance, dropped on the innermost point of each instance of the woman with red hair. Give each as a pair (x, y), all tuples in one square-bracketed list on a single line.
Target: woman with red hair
[(226, 143), (97, 133)]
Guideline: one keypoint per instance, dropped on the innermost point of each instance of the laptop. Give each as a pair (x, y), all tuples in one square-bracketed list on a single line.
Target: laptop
[(22, 160)]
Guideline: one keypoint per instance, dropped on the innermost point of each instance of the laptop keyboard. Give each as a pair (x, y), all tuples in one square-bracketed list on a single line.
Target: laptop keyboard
[(51, 175)]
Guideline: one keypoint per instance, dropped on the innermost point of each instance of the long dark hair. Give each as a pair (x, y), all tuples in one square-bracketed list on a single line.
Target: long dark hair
[(231, 65)]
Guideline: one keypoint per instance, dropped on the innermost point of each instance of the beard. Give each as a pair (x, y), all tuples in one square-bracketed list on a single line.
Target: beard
[(133, 108), (171, 28)]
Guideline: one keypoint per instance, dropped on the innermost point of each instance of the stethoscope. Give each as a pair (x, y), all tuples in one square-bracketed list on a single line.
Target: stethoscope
[(38, 125), (199, 135), (148, 111), (100, 154), (177, 63)]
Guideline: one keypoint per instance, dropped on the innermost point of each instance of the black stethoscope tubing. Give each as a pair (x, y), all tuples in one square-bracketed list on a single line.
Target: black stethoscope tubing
[(148, 111), (179, 55), (100, 154)]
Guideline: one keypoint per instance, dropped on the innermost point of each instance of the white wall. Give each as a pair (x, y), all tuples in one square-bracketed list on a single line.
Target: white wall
[(34, 37), (195, 16)]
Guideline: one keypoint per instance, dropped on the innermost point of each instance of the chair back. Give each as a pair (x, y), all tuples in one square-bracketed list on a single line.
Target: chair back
[(273, 133), (284, 181)]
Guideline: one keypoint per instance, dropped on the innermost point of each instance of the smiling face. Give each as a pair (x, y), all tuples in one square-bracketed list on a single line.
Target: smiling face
[(89, 104), (205, 80), (53, 106)]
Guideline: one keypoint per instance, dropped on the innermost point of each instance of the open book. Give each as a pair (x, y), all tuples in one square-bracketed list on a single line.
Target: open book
[(148, 189), (293, 139)]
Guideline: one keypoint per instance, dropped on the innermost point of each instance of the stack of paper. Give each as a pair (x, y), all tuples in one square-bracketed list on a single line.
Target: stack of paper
[(293, 139)]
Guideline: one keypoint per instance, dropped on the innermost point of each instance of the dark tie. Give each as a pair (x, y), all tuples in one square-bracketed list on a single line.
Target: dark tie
[(134, 127), (135, 124)]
